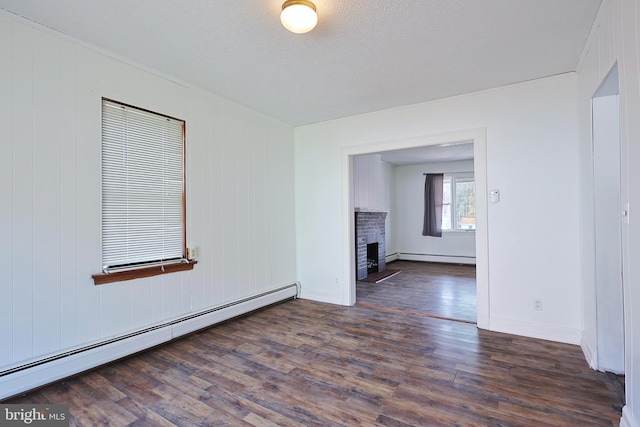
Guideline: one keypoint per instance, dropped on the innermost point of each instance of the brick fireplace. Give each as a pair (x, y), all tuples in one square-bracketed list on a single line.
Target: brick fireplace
[(369, 232)]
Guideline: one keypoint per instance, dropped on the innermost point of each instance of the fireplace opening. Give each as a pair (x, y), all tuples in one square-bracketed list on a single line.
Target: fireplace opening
[(372, 258), (369, 228)]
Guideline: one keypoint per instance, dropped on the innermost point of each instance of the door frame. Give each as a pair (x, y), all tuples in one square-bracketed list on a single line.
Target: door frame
[(603, 359), (478, 137)]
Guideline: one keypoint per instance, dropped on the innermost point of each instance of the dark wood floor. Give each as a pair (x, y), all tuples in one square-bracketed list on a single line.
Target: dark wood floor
[(424, 288), (304, 363)]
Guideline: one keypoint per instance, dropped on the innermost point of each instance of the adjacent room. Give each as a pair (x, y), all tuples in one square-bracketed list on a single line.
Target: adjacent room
[(415, 272), (417, 212)]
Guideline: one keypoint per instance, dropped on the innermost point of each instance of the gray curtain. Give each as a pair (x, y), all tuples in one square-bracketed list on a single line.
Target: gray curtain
[(433, 205)]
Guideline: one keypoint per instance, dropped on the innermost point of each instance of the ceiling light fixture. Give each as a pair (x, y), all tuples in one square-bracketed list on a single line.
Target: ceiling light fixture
[(299, 16)]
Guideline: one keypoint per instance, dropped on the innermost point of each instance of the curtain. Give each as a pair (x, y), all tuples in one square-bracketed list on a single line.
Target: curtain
[(433, 205)]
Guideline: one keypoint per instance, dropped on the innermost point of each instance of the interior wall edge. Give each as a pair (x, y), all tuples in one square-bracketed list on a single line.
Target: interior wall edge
[(588, 349), (628, 420)]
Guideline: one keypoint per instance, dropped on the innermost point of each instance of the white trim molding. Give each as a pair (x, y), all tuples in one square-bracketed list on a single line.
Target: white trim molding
[(627, 419), (392, 257), (588, 349), (328, 298), (479, 139), (536, 330)]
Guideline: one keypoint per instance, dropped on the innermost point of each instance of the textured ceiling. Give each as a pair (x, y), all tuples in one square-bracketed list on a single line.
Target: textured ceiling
[(364, 55)]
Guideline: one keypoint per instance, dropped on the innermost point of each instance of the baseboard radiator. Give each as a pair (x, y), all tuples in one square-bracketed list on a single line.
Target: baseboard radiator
[(449, 259), (38, 372)]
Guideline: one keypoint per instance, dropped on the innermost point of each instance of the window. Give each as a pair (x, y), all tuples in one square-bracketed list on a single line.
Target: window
[(143, 200), (458, 203)]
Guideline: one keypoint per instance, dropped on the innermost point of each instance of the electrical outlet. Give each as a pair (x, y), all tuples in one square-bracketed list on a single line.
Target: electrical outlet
[(537, 305)]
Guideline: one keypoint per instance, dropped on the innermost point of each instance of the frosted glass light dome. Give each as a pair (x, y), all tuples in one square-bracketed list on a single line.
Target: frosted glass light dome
[(299, 16)]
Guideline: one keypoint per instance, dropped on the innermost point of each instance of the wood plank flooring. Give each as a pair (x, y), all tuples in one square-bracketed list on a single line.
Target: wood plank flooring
[(425, 288), (304, 363)]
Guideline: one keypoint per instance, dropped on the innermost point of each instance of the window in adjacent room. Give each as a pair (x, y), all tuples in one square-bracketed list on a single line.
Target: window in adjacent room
[(458, 203), (143, 193)]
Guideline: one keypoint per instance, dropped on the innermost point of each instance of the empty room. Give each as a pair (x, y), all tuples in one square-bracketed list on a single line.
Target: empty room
[(183, 186), (410, 266)]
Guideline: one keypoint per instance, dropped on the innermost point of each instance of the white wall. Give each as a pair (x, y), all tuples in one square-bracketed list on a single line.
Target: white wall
[(239, 193), (373, 189), (531, 139), (368, 184), (608, 239), (409, 208), (389, 195), (615, 37)]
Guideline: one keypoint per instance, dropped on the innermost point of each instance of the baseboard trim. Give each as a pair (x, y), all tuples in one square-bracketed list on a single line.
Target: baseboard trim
[(318, 297), (36, 373), (589, 351), (536, 330), (391, 257), (627, 420), (449, 259)]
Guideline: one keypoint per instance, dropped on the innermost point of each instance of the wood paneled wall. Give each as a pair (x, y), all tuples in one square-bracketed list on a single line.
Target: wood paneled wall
[(373, 190), (368, 183), (240, 197), (614, 39)]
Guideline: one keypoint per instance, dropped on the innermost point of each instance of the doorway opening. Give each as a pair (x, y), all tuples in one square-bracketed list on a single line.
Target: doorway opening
[(427, 275), (478, 140), (608, 223)]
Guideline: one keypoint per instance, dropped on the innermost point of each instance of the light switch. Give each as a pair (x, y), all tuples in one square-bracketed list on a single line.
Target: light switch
[(494, 196)]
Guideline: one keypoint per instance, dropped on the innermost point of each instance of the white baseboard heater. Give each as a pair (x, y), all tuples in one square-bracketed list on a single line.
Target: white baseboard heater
[(38, 372), (452, 259)]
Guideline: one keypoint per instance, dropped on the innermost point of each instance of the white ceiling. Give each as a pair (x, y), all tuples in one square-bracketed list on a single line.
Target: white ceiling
[(364, 55), (429, 154)]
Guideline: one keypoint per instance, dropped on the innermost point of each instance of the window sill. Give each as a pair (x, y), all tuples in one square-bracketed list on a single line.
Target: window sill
[(156, 270)]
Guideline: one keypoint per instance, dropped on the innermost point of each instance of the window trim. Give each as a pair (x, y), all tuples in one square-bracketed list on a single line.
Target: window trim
[(138, 273), (162, 268), (453, 177)]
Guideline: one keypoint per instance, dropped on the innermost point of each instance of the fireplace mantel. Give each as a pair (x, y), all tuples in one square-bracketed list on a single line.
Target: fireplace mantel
[(371, 210)]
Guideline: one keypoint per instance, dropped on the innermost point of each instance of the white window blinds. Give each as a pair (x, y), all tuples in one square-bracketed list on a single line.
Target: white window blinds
[(142, 187)]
